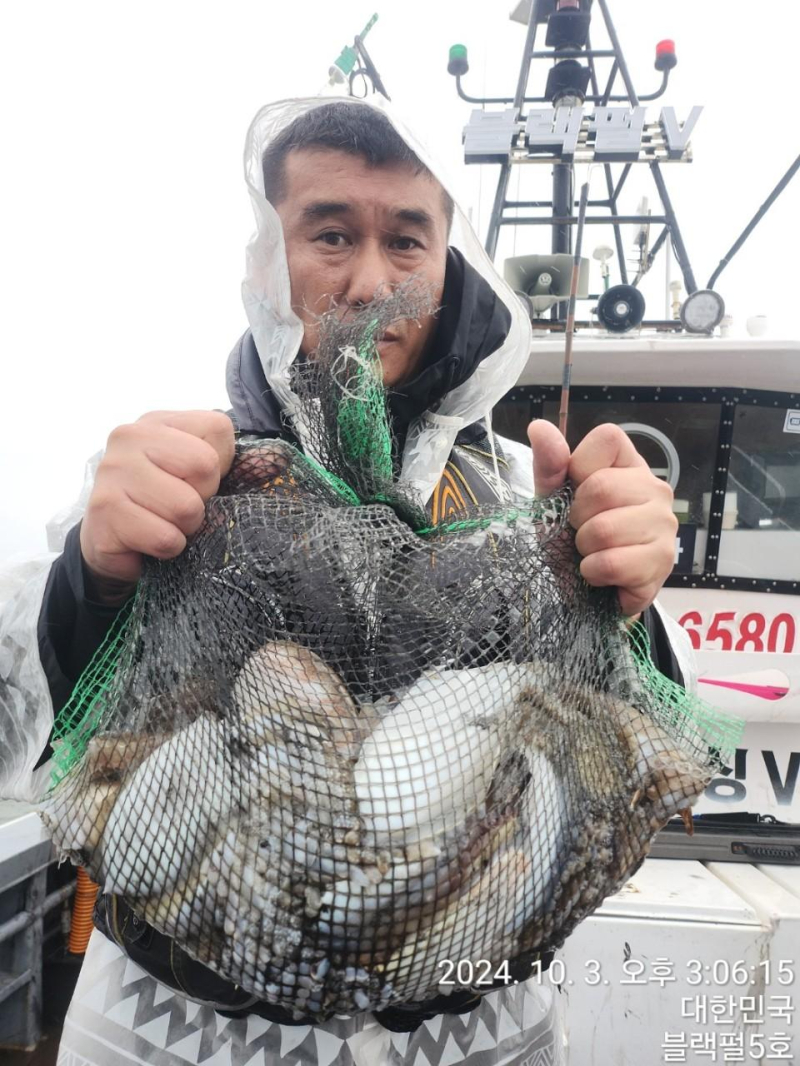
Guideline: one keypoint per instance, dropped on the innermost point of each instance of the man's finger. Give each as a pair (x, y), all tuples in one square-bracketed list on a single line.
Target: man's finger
[(636, 570), (550, 457), (214, 427), (118, 555), (605, 490), (185, 456), (619, 528), (633, 601), (605, 446), (170, 498)]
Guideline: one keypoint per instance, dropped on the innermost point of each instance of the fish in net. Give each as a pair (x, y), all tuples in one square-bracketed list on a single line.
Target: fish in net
[(331, 749)]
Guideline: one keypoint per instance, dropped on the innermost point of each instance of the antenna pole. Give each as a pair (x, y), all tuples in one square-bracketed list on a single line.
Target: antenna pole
[(562, 207), (570, 330), (369, 67)]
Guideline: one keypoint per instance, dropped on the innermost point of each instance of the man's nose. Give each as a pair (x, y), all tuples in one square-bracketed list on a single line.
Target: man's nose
[(370, 274)]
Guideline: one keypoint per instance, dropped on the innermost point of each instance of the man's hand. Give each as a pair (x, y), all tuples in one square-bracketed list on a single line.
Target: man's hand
[(622, 513), (150, 494)]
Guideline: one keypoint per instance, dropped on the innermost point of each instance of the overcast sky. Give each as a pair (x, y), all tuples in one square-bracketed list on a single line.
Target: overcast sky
[(125, 216)]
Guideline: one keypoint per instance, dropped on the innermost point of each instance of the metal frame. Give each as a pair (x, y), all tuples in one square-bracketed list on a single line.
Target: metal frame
[(729, 399), (505, 167), (661, 325), (565, 53), (23, 879), (562, 203)]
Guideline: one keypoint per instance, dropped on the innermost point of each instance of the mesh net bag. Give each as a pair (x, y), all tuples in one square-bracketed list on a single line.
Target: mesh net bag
[(331, 749)]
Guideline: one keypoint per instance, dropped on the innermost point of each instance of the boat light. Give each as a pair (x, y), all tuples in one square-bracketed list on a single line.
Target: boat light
[(457, 63), (702, 311), (665, 55)]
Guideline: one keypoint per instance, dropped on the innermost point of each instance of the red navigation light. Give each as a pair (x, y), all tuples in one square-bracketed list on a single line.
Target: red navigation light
[(665, 55), (564, 5)]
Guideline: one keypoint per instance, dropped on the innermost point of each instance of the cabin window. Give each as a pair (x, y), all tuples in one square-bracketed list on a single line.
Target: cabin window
[(698, 439), (761, 518)]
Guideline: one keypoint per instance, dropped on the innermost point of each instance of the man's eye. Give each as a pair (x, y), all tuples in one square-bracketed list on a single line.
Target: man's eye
[(405, 244), (332, 239)]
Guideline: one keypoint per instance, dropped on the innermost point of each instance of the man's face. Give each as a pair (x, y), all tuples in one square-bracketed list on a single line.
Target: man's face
[(353, 231)]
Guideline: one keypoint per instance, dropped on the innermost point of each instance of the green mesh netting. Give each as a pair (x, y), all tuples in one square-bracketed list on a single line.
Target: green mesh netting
[(80, 718), (332, 746), (343, 411), (684, 714), (364, 435)]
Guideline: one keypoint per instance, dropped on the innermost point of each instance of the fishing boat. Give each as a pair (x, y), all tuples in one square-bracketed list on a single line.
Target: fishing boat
[(713, 918), (715, 416)]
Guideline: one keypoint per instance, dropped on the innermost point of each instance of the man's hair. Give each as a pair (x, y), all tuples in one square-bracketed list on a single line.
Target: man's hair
[(356, 129)]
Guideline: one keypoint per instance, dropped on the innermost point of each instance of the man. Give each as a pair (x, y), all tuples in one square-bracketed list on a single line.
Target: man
[(346, 209), (352, 227)]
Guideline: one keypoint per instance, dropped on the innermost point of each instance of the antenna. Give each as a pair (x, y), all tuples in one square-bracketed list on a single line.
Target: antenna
[(754, 221), (603, 253), (354, 61)]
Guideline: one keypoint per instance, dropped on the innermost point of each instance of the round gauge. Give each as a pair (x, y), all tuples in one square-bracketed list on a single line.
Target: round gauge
[(703, 311)]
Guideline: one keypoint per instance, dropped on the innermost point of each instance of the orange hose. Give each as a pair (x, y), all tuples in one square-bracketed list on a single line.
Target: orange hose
[(81, 926)]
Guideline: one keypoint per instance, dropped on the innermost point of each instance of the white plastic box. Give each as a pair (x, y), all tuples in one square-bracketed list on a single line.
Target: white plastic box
[(667, 969)]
